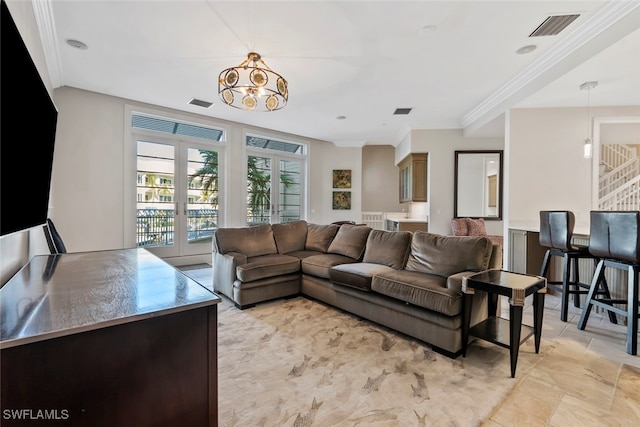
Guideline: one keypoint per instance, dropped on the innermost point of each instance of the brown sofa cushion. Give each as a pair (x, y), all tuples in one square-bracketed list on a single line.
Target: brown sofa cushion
[(319, 265), (389, 248), (424, 290), (250, 241), (447, 255), (356, 275), (290, 236), (350, 241), (319, 237), (264, 266)]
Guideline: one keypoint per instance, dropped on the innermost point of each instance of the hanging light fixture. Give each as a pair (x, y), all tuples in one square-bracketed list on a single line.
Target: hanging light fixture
[(253, 86), (588, 144)]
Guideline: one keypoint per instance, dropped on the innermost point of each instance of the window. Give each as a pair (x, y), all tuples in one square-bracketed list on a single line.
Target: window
[(275, 180)]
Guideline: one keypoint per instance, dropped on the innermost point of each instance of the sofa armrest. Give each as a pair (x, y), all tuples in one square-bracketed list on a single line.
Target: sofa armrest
[(495, 262), (479, 304), (455, 280), (224, 271)]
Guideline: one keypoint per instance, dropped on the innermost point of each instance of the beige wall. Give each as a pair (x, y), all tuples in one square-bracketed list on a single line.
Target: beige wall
[(441, 146), (546, 167), (380, 176), (89, 170)]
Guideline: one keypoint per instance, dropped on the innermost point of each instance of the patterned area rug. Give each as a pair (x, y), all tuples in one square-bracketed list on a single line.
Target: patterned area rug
[(300, 363)]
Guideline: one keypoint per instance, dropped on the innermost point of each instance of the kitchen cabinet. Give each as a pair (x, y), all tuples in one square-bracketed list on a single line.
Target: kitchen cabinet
[(406, 225), (525, 252), (413, 178)]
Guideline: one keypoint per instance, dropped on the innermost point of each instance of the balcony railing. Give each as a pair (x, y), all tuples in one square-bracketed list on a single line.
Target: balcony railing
[(156, 227)]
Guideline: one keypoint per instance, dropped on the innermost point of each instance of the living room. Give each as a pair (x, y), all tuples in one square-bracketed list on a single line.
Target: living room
[(534, 140), (544, 165)]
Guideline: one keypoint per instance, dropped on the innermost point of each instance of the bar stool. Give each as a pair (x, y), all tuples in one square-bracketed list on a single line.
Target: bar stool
[(556, 233), (614, 237)]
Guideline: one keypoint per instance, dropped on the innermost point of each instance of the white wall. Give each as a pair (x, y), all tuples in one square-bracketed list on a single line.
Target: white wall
[(547, 169), (441, 145), (88, 175)]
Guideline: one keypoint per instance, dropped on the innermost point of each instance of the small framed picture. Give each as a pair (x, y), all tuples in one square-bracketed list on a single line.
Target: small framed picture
[(342, 200), (342, 178)]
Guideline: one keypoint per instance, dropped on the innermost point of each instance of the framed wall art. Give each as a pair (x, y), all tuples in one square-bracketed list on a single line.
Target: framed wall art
[(342, 200), (342, 178)]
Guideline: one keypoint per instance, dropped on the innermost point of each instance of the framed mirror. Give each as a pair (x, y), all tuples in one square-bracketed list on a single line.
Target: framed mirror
[(478, 184)]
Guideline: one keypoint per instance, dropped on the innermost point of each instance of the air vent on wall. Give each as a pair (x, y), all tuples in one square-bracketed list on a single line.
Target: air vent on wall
[(553, 25), (402, 111), (200, 103)]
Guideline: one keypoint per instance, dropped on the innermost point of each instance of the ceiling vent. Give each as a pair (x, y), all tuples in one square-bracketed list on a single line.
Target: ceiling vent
[(200, 103), (402, 111), (553, 25)]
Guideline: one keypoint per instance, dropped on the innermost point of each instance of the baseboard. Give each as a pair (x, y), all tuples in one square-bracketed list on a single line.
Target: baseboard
[(188, 260)]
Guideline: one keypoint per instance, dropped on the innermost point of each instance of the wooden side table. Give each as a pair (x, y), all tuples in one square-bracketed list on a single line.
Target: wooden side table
[(506, 333)]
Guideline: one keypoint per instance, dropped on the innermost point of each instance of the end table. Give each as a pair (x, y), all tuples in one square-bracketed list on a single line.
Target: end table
[(506, 333)]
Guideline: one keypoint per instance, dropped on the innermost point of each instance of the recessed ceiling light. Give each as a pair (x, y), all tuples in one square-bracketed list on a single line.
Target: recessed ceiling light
[(526, 49), (76, 43)]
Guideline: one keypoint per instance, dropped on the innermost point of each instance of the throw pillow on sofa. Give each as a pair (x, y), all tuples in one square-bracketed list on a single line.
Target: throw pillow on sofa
[(459, 227), (350, 241), (389, 248), (447, 255), (250, 241), (290, 236), (319, 236), (476, 227)]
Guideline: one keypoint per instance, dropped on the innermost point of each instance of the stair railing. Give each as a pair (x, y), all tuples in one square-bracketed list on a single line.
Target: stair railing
[(613, 179), (614, 155), (624, 198)]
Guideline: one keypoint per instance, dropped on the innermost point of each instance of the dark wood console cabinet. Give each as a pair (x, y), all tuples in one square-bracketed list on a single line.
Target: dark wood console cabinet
[(109, 338)]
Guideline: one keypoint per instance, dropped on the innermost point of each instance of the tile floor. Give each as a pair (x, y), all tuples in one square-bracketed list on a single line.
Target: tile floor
[(580, 378), (586, 378)]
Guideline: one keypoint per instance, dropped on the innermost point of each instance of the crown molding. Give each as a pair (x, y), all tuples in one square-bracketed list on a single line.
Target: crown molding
[(43, 12), (498, 101)]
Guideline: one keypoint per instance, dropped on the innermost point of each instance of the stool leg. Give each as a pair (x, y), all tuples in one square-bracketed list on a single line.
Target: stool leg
[(605, 290), (632, 312), (576, 280), (586, 310), (545, 263), (566, 269)]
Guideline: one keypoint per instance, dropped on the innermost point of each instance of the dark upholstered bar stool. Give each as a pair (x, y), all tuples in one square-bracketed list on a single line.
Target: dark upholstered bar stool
[(556, 233), (615, 238)]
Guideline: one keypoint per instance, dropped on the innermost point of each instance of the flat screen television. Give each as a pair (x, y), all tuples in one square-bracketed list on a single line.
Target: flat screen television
[(28, 120)]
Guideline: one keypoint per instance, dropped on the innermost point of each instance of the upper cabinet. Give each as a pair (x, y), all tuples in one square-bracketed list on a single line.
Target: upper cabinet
[(413, 178)]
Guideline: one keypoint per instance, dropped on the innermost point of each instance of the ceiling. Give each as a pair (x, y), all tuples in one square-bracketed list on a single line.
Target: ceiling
[(454, 63)]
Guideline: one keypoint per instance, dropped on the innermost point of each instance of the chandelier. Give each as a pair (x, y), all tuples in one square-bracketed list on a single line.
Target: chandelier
[(253, 86)]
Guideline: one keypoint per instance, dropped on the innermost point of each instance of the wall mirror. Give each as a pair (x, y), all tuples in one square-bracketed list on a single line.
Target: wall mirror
[(478, 184)]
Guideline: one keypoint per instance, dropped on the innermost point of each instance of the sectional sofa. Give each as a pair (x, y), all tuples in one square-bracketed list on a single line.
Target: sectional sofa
[(410, 282)]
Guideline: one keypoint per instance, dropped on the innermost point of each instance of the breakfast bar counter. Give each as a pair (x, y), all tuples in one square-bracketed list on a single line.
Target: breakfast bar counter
[(107, 338)]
